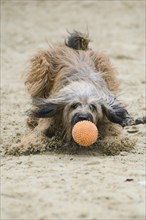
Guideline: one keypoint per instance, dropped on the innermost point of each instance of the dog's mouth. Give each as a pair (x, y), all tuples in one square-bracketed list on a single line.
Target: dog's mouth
[(81, 117)]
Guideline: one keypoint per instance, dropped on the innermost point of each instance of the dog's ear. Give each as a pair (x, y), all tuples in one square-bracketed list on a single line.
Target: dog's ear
[(46, 111), (43, 108), (116, 114)]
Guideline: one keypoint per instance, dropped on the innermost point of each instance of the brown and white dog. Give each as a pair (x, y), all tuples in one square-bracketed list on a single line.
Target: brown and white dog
[(69, 83)]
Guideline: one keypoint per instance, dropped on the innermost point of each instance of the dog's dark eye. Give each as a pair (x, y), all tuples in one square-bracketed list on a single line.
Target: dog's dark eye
[(93, 107), (74, 105)]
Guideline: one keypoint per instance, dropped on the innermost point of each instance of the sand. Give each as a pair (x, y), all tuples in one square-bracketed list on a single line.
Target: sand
[(87, 184)]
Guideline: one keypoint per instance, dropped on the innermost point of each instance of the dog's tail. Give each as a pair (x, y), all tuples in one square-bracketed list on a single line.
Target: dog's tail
[(78, 41)]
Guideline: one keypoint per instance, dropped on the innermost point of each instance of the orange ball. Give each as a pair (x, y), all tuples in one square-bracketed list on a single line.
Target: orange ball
[(85, 133)]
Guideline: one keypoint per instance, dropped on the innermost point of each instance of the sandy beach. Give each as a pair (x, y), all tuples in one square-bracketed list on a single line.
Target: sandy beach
[(86, 185)]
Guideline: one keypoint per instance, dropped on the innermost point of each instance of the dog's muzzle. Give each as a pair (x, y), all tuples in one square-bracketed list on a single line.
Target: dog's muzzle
[(81, 117)]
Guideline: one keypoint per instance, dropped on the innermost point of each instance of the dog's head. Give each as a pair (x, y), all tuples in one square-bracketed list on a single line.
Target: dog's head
[(79, 101)]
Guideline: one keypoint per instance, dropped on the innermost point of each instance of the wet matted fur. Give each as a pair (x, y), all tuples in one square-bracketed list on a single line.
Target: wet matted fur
[(68, 83)]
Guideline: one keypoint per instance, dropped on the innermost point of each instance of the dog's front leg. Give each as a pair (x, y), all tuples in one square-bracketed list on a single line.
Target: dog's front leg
[(112, 141), (35, 141)]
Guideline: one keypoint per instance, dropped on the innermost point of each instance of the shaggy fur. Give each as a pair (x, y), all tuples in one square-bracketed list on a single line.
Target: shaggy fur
[(69, 83)]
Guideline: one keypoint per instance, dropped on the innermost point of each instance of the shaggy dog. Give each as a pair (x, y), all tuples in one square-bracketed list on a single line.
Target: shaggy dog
[(70, 83)]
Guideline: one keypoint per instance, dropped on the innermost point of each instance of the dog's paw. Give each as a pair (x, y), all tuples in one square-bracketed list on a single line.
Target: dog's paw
[(114, 145), (17, 149), (30, 144)]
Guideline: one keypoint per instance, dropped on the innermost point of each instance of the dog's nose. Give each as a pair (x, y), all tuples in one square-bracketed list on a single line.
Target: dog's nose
[(83, 117)]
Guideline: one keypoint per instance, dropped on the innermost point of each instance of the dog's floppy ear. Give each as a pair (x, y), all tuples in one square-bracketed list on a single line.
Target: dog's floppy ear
[(43, 108), (47, 111), (116, 114)]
